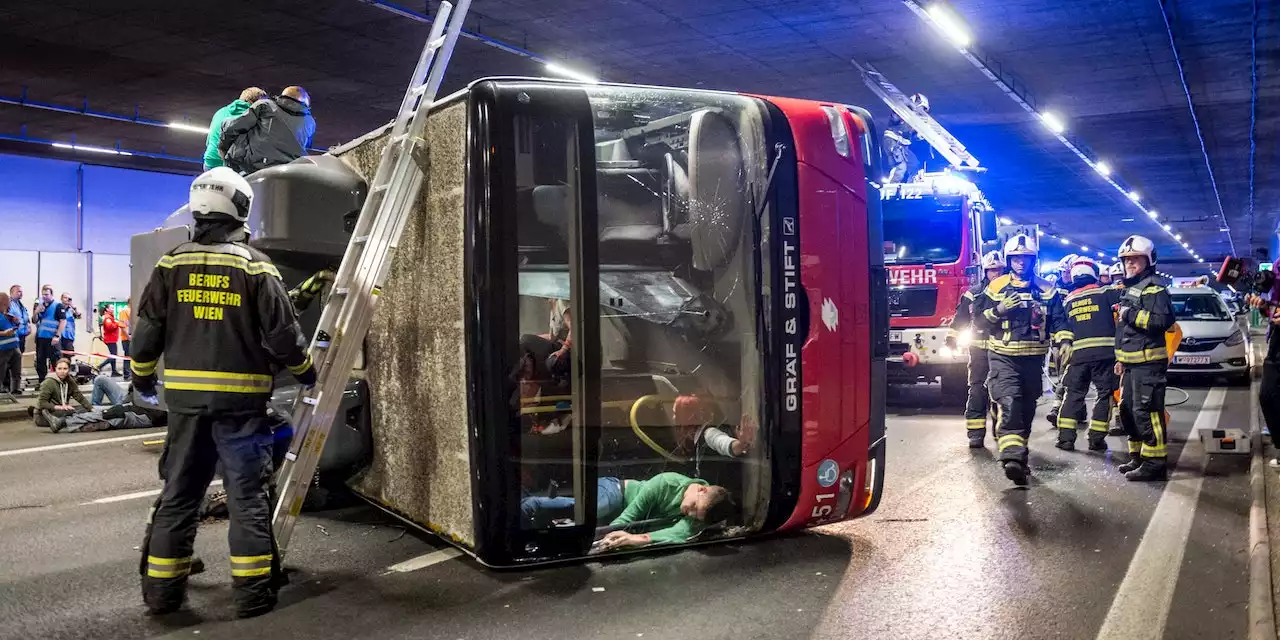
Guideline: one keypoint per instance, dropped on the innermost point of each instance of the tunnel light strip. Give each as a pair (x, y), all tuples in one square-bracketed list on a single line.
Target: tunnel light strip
[(1051, 120)]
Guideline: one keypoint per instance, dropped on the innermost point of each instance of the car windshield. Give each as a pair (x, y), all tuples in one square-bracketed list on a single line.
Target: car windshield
[(1199, 306), (923, 230)]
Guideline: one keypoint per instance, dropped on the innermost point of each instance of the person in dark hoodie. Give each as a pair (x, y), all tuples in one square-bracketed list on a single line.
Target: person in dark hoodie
[(270, 133), (238, 107)]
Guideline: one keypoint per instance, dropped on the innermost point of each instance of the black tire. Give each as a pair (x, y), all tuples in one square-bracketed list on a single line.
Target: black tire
[(955, 387), (1240, 379)]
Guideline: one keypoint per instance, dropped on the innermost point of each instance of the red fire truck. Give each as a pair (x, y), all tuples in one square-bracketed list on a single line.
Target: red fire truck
[(935, 230)]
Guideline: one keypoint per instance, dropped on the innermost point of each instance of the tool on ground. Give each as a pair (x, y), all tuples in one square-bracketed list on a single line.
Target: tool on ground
[(348, 313)]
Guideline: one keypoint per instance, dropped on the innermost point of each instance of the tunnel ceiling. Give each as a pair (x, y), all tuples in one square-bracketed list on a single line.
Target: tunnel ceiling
[(1107, 67)]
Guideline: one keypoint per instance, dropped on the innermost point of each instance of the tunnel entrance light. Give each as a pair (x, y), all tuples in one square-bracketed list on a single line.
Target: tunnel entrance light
[(1053, 122), (950, 25)]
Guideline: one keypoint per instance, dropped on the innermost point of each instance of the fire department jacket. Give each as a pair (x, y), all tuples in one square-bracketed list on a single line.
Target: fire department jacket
[(218, 311), (964, 317), (1021, 333), (1146, 312), (1090, 323)]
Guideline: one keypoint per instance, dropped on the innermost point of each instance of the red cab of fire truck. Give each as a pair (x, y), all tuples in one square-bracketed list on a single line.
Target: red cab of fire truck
[(935, 230)]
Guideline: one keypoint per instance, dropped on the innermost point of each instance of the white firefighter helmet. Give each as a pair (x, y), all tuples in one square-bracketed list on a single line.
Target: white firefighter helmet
[(1021, 245), (919, 100), (993, 260), (1065, 264), (1084, 267), (1138, 246), (1116, 270), (221, 190)]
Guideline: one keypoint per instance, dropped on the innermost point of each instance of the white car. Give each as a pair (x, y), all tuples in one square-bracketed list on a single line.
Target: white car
[(1214, 343)]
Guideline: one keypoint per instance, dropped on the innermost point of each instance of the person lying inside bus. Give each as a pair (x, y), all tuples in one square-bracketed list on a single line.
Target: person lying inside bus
[(674, 506)]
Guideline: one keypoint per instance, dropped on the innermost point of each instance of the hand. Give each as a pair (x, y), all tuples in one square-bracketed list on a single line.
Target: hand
[(57, 342), (1009, 304), (147, 398), (1064, 354), (1119, 368), (1275, 316), (746, 435), (308, 377), (1253, 300), (619, 539)]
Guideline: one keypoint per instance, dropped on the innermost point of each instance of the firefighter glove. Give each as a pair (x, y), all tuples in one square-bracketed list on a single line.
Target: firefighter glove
[(144, 385), (307, 377), (1009, 304)]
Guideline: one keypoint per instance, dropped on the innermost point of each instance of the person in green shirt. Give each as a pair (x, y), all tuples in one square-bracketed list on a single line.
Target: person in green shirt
[(247, 97), (675, 506)]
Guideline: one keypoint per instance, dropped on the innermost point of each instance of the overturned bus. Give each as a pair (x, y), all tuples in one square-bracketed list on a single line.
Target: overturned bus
[(716, 260)]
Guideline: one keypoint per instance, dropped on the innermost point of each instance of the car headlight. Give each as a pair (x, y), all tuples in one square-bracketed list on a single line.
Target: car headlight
[(964, 338), (1236, 338)]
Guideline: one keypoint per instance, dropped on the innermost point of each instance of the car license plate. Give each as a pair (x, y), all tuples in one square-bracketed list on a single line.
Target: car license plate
[(895, 336), (1191, 359)]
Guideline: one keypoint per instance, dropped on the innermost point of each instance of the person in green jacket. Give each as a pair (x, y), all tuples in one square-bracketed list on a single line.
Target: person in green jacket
[(247, 97), (674, 506)]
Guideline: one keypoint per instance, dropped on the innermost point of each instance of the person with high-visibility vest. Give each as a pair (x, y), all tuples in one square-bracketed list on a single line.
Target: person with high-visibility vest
[(1023, 313), (51, 323), (10, 353), (1143, 315), (975, 407), (1091, 358), (218, 311), (68, 343)]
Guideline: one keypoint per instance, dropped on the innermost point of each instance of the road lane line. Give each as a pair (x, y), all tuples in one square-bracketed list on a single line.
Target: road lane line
[(136, 495), (1140, 608), (80, 443), (424, 561)]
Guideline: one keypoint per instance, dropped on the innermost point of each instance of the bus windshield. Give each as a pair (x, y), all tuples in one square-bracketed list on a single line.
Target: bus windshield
[(923, 230), (1201, 306), (680, 365)]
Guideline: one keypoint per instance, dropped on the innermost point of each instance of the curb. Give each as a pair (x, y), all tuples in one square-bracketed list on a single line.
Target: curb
[(1261, 612)]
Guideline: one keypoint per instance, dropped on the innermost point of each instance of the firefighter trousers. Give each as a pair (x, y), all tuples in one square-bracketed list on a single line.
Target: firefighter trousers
[(193, 448), (975, 408), (1015, 384), (1076, 380), (1142, 409), (1269, 395)]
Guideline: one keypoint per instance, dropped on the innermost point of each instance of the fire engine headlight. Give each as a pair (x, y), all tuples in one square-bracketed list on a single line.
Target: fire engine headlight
[(946, 351), (964, 338), (1235, 339)]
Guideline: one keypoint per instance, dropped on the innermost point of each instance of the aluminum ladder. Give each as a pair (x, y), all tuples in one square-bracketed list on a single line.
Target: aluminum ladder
[(918, 119), (348, 313)]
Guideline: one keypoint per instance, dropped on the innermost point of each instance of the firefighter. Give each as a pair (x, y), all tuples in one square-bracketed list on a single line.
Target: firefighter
[(975, 408), (1143, 314), (1091, 357), (219, 313), (302, 295), (1054, 368), (1024, 315)]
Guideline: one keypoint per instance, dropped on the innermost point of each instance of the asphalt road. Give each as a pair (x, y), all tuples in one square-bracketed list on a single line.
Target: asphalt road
[(953, 552)]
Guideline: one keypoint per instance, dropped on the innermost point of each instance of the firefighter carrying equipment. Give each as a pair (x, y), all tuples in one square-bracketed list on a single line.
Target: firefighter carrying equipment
[(218, 311)]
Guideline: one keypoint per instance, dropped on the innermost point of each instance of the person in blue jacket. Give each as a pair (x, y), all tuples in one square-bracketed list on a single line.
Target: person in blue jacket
[(50, 320), (68, 334), (19, 311)]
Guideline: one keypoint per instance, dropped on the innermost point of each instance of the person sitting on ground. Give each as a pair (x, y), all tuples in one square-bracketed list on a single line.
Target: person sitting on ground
[(57, 393), (272, 132), (675, 507), (237, 108)]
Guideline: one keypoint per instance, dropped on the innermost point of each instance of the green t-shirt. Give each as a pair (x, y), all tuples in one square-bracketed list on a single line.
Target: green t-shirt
[(659, 497), (211, 157)]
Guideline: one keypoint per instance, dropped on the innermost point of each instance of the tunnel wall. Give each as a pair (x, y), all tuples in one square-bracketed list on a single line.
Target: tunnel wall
[(415, 354)]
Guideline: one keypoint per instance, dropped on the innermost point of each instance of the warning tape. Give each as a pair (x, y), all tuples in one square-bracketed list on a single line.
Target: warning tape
[(105, 356)]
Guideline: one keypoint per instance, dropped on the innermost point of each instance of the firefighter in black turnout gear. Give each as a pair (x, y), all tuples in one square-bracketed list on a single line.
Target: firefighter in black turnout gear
[(219, 313), (1023, 314), (975, 408), (1090, 359), (1144, 313)]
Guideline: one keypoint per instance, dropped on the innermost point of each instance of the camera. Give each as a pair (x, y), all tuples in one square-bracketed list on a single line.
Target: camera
[(1236, 274)]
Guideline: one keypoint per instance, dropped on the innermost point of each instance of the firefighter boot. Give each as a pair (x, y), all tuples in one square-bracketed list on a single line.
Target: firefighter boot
[(1150, 470), (1134, 462), (1066, 445), (1097, 441), (977, 438), (1016, 471)]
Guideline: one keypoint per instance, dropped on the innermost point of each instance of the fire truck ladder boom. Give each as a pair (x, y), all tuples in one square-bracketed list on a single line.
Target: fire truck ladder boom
[(348, 313), (917, 118)]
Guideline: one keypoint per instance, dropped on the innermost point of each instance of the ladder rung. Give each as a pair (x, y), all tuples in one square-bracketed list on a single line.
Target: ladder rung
[(340, 291), (322, 345), (311, 401), (360, 239), (380, 188)]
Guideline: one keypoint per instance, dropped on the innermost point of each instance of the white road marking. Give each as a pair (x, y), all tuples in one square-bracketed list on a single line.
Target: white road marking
[(1141, 605), (136, 495), (424, 561), (79, 443)]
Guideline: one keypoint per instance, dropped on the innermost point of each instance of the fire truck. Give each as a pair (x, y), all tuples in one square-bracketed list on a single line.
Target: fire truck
[(600, 283), (935, 230)]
